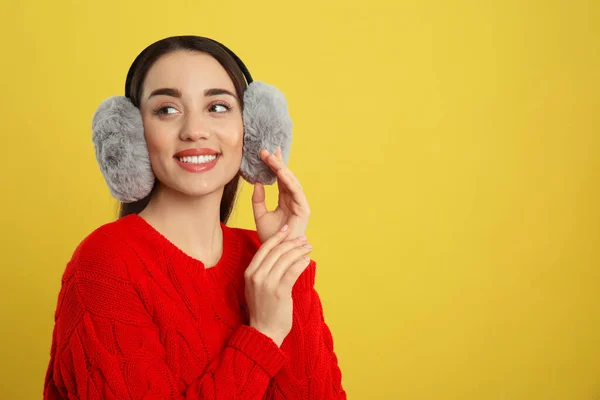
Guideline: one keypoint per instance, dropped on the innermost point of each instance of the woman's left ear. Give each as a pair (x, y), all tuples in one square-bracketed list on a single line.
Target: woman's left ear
[(267, 125)]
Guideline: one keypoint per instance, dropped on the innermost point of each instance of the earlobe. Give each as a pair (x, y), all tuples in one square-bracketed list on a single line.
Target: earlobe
[(121, 149)]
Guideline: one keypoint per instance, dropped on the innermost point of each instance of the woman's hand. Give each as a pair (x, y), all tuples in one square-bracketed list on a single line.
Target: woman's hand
[(292, 207), (269, 280)]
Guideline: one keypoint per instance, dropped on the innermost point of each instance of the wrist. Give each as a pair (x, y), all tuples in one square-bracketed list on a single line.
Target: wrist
[(271, 334)]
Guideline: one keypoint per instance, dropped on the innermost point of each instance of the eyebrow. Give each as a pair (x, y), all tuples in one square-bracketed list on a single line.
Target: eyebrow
[(177, 93)]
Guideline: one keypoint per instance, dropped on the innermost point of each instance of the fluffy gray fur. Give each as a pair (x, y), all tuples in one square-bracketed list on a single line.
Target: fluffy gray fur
[(121, 150), (267, 125)]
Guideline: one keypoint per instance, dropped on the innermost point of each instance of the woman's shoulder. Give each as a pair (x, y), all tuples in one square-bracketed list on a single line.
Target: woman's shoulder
[(108, 236), (99, 279), (108, 247)]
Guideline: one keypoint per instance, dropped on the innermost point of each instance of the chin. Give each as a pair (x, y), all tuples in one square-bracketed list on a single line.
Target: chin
[(201, 190), (201, 186)]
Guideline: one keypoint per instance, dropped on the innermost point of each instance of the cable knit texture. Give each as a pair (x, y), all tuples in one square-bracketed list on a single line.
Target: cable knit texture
[(137, 318)]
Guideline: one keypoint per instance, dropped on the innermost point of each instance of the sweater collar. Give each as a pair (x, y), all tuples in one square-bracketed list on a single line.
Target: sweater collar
[(218, 275)]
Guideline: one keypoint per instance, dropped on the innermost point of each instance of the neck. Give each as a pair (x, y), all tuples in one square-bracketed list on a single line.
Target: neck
[(191, 223)]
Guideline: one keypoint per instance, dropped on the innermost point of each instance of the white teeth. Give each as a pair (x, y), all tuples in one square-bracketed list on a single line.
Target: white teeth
[(198, 159)]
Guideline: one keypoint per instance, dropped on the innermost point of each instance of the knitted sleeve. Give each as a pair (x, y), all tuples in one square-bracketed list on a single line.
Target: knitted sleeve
[(106, 346), (311, 370)]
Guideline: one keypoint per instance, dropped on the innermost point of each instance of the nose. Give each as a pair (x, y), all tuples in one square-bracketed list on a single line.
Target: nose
[(195, 127)]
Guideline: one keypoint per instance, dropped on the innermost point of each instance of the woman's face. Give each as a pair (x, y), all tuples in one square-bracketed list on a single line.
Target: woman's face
[(192, 123)]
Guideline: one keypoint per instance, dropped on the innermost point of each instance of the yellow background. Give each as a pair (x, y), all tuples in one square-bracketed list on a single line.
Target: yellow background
[(449, 150)]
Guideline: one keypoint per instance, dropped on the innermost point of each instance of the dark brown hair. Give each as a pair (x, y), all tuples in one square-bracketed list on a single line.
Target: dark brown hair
[(134, 86)]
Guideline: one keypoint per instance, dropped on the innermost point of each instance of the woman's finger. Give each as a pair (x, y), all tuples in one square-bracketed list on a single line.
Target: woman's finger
[(283, 173), (278, 154), (287, 180), (266, 248), (286, 260), (292, 274), (296, 191), (274, 162), (281, 163), (259, 205), (276, 255)]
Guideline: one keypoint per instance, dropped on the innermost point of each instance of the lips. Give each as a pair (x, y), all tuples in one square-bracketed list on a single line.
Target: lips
[(196, 152), (197, 160)]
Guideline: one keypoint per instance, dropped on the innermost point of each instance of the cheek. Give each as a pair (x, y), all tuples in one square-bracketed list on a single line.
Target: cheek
[(157, 143), (234, 138)]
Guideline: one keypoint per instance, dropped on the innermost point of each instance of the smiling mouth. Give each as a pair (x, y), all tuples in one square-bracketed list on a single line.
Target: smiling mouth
[(197, 159)]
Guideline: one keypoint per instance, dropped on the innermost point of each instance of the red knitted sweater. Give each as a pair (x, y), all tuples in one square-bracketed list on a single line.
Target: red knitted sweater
[(137, 318)]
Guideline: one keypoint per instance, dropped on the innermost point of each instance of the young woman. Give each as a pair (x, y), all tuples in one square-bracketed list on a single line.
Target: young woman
[(167, 302)]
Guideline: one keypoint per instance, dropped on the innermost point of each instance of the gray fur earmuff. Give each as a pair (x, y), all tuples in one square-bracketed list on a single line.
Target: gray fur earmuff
[(121, 150), (122, 153), (267, 125)]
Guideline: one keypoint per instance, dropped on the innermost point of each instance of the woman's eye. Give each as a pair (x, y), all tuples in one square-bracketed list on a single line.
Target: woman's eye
[(164, 110), (161, 110), (219, 108)]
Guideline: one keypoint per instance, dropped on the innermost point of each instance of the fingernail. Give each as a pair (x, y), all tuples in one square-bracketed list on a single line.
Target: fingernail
[(308, 246), (303, 238), (306, 259), (284, 228)]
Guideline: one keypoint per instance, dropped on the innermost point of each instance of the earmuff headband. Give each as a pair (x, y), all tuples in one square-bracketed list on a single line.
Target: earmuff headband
[(238, 61)]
